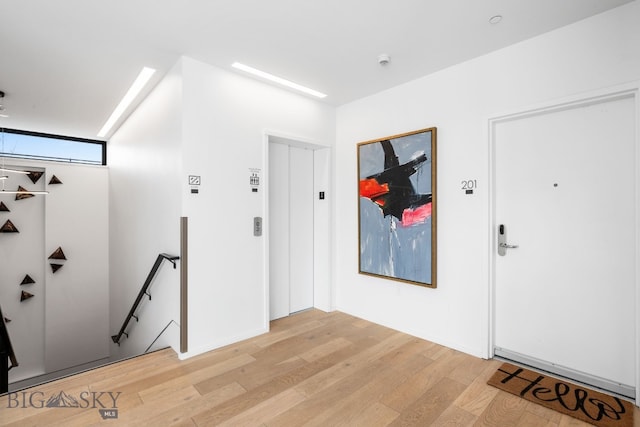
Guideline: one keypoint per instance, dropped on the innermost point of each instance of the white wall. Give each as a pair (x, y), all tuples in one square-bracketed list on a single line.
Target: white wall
[(600, 52), (65, 323), (322, 241), (144, 161), (225, 119), (200, 120), (77, 307)]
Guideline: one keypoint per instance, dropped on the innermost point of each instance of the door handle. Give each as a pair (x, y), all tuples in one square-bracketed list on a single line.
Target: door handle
[(502, 241)]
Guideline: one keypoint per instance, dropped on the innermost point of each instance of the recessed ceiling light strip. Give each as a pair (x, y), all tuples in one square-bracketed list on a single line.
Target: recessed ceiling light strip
[(3, 169), (135, 89), (276, 79), (23, 192)]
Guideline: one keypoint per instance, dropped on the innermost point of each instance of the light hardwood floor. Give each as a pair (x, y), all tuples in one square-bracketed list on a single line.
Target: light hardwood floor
[(312, 369)]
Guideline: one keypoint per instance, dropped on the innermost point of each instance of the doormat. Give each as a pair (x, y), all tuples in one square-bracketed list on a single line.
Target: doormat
[(579, 402)]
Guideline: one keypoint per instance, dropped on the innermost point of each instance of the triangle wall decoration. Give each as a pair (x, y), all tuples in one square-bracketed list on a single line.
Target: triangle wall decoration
[(27, 280), (55, 267), (57, 254), (23, 195), (3, 207), (35, 176), (55, 180), (25, 295), (8, 227)]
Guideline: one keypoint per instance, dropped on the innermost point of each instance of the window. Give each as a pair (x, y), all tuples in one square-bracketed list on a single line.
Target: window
[(42, 146)]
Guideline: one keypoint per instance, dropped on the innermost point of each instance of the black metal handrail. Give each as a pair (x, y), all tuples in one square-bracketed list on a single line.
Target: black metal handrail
[(6, 354), (143, 292)]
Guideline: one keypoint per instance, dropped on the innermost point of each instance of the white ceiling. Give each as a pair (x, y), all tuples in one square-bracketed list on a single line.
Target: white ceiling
[(65, 64)]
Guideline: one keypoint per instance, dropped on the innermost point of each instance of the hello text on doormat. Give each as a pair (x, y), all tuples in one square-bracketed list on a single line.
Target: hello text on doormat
[(579, 402)]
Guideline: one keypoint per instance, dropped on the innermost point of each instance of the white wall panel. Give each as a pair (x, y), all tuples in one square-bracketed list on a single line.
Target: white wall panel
[(322, 238), (301, 228), (77, 307), (279, 235), (66, 323)]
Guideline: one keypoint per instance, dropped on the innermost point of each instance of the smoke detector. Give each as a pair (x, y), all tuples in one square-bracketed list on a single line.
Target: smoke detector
[(383, 59)]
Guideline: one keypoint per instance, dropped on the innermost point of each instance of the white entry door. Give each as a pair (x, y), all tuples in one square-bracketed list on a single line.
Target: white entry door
[(291, 229), (565, 189)]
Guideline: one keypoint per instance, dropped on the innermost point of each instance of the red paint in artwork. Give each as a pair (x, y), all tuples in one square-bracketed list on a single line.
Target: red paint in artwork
[(371, 189), (417, 215)]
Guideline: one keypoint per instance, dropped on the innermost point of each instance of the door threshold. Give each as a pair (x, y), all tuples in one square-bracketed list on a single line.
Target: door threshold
[(601, 384)]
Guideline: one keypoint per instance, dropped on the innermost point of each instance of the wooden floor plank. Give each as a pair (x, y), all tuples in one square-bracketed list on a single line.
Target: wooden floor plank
[(479, 394), (529, 419), (504, 409), (402, 397), (544, 412), (352, 406), (268, 390), (182, 414), (325, 349), (431, 405), (347, 367), (267, 410), (376, 415), (328, 398), (313, 369), (454, 416)]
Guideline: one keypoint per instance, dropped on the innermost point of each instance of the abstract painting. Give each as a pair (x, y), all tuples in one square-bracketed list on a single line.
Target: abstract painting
[(397, 207)]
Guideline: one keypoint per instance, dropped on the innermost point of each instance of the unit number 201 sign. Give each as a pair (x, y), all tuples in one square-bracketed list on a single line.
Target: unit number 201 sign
[(468, 185)]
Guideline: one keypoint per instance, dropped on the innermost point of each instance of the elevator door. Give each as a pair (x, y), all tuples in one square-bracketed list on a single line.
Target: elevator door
[(290, 229)]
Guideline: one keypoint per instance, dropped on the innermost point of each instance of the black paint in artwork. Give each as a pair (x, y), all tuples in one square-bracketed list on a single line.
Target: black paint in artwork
[(401, 194)]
